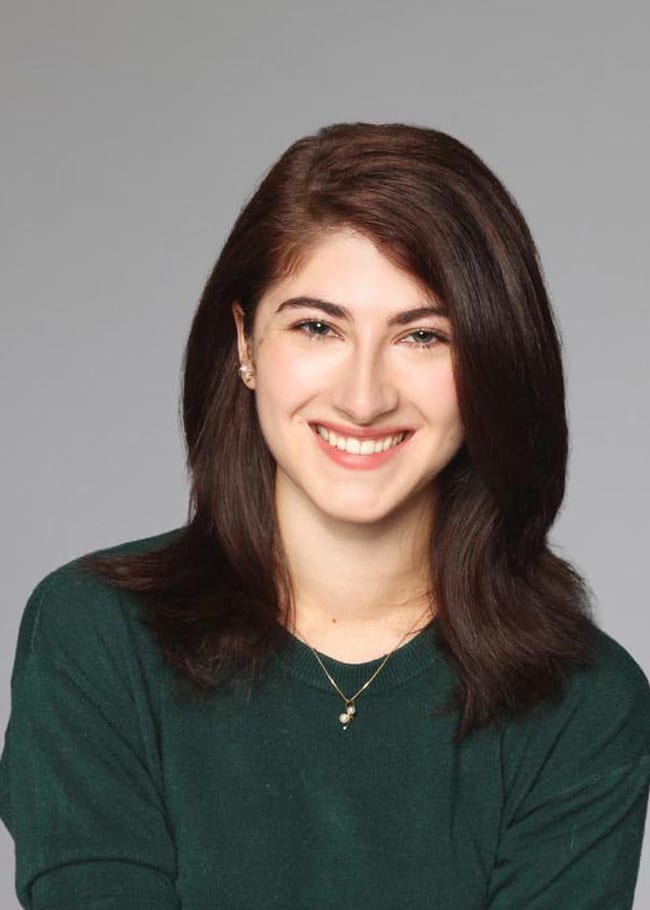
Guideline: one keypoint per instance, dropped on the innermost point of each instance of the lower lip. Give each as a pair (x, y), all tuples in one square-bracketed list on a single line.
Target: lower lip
[(359, 462)]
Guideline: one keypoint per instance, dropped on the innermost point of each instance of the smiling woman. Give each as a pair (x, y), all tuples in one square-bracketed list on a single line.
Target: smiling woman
[(358, 676)]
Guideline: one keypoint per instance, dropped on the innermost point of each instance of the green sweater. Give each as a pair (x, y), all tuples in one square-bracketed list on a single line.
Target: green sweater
[(119, 796)]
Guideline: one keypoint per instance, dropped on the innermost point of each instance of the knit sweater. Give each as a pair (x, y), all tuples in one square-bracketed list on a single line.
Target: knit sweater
[(121, 796)]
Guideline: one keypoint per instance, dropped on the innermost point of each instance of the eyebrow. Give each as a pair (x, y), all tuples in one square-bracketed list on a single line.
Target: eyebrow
[(340, 312)]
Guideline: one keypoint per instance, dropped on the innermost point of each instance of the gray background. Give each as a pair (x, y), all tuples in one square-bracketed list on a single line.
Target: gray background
[(134, 131)]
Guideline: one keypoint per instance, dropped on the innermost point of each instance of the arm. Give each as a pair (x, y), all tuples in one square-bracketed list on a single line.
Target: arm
[(577, 848), (79, 790), (577, 778)]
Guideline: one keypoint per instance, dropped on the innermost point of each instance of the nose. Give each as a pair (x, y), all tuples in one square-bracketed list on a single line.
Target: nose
[(364, 389)]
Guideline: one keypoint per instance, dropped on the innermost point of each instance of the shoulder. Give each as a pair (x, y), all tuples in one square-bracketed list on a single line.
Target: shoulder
[(600, 726), (71, 612), (609, 703), (616, 684)]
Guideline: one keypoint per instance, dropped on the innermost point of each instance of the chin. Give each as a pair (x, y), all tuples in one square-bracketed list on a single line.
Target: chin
[(359, 513)]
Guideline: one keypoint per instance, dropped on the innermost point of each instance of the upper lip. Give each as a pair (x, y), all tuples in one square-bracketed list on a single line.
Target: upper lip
[(359, 432)]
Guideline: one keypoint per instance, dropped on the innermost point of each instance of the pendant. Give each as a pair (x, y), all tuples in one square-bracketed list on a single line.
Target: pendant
[(347, 716)]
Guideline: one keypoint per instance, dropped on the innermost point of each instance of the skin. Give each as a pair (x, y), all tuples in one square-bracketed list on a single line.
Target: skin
[(357, 542)]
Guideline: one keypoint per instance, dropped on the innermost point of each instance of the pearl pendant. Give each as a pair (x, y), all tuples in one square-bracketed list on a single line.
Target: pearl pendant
[(347, 716)]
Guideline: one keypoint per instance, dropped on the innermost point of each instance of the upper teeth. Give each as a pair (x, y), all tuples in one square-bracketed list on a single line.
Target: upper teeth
[(357, 446)]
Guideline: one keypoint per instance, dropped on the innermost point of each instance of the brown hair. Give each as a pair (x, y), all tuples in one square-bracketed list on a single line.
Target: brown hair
[(513, 617)]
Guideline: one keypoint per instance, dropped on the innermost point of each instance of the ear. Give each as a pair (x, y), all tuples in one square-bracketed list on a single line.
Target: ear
[(242, 342), (242, 347)]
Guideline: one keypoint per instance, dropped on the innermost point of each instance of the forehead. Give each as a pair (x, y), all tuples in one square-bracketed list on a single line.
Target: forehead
[(349, 269)]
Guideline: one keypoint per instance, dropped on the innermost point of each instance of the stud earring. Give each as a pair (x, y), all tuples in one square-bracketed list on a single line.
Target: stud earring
[(246, 373)]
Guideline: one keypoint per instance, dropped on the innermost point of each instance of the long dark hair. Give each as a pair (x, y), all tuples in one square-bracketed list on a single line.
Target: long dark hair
[(513, 617)]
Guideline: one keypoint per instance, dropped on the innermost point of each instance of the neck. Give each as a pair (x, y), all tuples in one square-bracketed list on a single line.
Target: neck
[(368, 583)]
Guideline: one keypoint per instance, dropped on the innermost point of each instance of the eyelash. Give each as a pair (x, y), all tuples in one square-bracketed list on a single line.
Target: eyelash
[(425, 345)]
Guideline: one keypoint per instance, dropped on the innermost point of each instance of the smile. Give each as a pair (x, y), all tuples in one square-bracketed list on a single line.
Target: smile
[(355, 446)]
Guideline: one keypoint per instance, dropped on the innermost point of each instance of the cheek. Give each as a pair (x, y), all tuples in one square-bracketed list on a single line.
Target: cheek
[(283, 383), (286, 374), (443, 410), (440, 401), (449, 401)]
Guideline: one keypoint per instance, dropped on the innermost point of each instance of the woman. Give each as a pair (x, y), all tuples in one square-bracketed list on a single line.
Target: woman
[(358, 676)]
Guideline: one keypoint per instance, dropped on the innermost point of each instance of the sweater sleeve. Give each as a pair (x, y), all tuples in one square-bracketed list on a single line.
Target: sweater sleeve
[(577, 848), (573, 828), (79, 788)]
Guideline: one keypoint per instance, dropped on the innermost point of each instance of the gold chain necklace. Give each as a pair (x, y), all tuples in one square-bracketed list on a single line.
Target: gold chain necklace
[(350, 712)]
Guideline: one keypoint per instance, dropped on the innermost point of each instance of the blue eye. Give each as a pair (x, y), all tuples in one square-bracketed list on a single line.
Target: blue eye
[(307, 325), (436, 337), (311, 322)]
